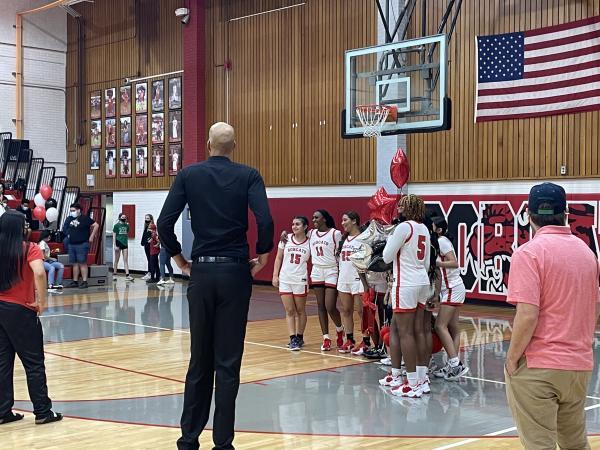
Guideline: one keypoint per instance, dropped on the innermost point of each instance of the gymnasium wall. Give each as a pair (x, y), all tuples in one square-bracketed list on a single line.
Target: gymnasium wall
[(44, 61), (123, 38), (508, 149), (277, 77), (145, 203)]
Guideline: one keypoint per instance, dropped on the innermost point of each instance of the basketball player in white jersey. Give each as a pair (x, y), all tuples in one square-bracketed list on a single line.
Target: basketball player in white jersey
[(453, 294), (408, 249), (324, 239), (349, 285), (290, 275)]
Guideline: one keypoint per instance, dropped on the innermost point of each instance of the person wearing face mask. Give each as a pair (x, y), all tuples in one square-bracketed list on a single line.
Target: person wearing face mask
[(120, 236), (81, 232), (146, 240), (23, 208)]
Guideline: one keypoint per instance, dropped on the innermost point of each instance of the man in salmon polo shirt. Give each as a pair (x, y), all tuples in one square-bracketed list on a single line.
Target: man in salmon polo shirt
[(553, 281)]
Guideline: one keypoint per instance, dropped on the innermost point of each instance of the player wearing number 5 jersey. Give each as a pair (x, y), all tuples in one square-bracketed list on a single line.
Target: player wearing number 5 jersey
[(408, 249), (290, 275)]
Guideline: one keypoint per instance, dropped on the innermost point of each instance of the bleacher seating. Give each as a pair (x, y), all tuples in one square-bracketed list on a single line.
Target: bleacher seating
[(23, 174)]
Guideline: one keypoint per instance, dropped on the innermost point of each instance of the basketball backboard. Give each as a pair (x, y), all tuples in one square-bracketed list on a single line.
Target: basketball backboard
[(409, 75)]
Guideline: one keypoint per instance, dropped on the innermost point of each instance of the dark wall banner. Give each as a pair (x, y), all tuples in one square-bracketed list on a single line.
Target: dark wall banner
[(487, 229)]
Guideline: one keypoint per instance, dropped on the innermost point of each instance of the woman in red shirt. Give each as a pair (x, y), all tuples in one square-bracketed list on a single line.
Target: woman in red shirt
[(20, 327), (154, 250)]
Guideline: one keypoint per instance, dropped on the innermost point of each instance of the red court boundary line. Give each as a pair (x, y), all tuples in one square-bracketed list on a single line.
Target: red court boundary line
[(379, 436), (115, 367), (260, 382)]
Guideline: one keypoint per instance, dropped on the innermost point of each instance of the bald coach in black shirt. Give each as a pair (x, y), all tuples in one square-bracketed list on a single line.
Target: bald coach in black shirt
[(218, 192)]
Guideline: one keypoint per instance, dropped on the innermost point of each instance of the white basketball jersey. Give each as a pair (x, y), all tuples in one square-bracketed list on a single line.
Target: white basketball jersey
[(348, 273), (294, 268), (323, 247), (409, 249), (450, 277)]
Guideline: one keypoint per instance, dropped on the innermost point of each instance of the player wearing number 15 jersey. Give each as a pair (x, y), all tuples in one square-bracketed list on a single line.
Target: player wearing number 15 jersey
[(290, 274)]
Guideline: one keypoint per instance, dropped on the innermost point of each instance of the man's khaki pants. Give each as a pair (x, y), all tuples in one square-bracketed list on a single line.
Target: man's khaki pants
[(548, 407)]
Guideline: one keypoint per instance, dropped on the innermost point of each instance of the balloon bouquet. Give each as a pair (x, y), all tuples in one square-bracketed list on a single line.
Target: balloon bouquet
[(384, 209), (45, 206)]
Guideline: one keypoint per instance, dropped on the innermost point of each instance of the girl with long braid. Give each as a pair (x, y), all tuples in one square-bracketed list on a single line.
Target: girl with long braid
[(408, 248)]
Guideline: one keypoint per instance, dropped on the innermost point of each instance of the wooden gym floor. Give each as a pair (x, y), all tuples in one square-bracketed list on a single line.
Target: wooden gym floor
[(116, 360)]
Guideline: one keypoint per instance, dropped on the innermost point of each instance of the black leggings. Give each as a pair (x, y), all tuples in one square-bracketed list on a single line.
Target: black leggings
[(147, 250), (153, 267)]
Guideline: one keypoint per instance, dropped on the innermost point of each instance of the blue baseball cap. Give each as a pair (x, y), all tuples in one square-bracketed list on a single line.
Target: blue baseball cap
[(552, 196)]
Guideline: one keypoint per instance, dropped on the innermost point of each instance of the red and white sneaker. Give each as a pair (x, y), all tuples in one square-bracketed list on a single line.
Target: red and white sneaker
[(340, 338), (405, 390), (360, 349), (390, 381), (347, 347), (424, 386), (326, 345)]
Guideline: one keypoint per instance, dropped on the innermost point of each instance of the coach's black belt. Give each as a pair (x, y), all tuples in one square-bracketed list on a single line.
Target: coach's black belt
[(220, 259)]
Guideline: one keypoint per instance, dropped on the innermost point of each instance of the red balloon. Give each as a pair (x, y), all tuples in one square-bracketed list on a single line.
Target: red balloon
[(39, 213), (46, 191), (384, 330), (436, 344), (383, 206), (400, 168)]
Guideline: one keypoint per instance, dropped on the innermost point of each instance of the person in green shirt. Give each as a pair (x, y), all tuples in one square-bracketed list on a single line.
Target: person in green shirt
[(120, 238)]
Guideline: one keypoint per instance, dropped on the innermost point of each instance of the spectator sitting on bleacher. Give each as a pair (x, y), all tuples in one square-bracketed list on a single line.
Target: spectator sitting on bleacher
[(23, 208), (54, 268), (81, 232)]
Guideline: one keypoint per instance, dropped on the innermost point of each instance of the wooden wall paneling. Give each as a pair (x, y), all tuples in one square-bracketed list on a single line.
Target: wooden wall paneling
[(514, 149)]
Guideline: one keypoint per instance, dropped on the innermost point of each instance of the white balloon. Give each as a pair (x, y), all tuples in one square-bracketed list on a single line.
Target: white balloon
[(52, 214), (39, 200)]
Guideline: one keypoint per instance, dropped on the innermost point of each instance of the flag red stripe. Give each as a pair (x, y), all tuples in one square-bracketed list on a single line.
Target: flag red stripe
[(537, 87), (539, 101), (563, 41), (563, 55), (563, 26), (559, 70), (539, 113)]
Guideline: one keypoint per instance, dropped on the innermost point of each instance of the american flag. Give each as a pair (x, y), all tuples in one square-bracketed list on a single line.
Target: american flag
[(543, 72)]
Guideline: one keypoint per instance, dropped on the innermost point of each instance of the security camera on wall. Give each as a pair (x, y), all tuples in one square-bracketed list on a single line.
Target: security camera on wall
[(183, 14)]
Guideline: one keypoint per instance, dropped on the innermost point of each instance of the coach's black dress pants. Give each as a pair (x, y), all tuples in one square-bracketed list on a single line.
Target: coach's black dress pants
[(219, 297), (21, 334)]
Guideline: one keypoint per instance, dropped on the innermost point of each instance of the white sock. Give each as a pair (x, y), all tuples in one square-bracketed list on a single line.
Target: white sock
[(396, 372), (412, 378), (325, 336), (421, 372), (338, 329), (454, 361)]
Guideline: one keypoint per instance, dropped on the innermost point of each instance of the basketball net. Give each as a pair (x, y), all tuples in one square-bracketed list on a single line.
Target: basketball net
[(372, 118)]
